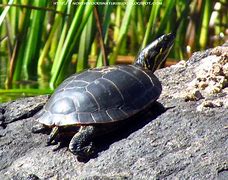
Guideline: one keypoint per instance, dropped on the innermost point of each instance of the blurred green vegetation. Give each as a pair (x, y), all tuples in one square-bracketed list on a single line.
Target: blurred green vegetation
[(45, 41)]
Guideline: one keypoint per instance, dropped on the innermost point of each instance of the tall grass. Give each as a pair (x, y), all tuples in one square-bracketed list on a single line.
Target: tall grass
[(52, 39)]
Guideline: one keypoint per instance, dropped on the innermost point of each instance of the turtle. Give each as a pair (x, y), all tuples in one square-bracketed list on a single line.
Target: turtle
[(99, 100)]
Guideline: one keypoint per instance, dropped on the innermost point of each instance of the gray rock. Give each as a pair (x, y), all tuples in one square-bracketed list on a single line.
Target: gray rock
[(22, 108), (181, 143)]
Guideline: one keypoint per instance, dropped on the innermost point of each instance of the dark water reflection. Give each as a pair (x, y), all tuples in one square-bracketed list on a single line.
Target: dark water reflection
[(22, 89)]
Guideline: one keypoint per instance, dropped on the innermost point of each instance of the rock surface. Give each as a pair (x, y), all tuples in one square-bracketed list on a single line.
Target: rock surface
[(184, 142)]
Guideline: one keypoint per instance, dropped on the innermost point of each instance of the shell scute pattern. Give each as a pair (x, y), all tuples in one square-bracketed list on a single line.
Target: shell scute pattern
[(88, 76), (99, 116), (101, 95), (67, 81), (108, 91), (127, 93), (76, 84)]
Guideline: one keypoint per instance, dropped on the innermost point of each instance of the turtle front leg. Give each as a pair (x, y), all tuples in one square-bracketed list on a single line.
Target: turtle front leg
[(81, 144)]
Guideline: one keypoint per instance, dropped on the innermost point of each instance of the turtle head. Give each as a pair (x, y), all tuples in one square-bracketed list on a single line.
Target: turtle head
[(155, 53)]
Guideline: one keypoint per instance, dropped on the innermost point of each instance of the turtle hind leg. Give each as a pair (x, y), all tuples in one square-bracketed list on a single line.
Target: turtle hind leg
[(53, 135), (38, 128), (81, 144)]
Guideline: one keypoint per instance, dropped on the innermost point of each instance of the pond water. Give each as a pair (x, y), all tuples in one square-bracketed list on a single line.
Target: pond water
[(22, 89)]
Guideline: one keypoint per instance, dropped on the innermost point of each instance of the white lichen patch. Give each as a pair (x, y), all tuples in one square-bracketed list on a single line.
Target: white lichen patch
[(206, 65), (209, 104), (211, 75), (193, 95)]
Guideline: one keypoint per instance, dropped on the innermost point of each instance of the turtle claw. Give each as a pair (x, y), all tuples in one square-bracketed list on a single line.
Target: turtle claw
[(51, 142), (85, 153)]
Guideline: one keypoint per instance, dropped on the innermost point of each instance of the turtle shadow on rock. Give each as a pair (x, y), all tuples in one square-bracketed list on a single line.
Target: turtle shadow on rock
[(131, 125), (123, 130)]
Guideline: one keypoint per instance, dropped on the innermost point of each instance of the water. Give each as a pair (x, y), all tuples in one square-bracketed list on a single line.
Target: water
[(21, 89), (24, 91)]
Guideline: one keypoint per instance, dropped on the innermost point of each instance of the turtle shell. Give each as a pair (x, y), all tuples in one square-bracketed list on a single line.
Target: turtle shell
[(101, 95)]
